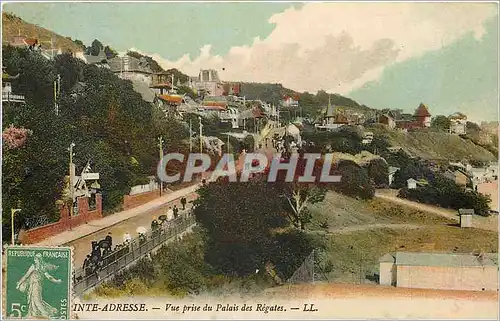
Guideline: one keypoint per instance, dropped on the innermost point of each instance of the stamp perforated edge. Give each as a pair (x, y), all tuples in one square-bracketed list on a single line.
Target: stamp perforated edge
[(71, 293)]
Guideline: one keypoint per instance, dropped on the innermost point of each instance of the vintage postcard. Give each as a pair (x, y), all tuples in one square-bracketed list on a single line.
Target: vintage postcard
[(250, 160)]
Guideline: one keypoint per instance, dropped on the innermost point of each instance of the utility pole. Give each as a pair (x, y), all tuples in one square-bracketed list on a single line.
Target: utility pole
[(228, 143), (71, 174), (160, 144), (190, 136), (12, 212), (201, 135)]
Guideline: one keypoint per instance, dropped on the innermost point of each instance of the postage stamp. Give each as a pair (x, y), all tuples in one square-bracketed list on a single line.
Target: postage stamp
[(38, 284)]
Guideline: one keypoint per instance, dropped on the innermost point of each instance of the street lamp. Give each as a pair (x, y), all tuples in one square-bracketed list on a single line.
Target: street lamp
[(12, 212)]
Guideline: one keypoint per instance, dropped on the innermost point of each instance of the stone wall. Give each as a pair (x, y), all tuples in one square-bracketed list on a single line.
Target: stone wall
[(65, 222)]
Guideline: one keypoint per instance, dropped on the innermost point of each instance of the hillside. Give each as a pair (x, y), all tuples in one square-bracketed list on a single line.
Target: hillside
[(13, 26), (436, 145)]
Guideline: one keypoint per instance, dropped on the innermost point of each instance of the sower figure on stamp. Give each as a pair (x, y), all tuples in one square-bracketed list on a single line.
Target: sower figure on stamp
[(31, 284)]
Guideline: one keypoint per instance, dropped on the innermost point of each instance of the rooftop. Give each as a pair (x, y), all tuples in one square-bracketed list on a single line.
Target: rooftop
[(446, 259)]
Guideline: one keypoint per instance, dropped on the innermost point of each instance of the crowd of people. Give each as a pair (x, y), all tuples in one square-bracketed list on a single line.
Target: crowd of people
[(103, 254)]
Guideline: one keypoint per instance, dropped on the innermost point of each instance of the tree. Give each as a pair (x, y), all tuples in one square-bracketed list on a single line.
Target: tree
[(378, 170), (299, 195), (355, 181), (239, 219), (95, 48), (110, 52), (441, 123)]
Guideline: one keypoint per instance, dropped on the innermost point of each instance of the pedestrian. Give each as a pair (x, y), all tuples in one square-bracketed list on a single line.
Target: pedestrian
[(154, 224), (127, 238), (176, 212), (170, 214), (183, 203), (109, 240)]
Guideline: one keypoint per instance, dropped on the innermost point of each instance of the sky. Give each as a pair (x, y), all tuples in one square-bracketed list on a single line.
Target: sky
[(384, 55)]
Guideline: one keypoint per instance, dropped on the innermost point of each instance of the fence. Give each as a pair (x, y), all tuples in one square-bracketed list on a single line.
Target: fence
[(139, 189), (137, 249), (308, 272)]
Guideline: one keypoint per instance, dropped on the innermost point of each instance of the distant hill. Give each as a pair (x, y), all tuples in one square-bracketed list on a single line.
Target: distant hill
[(429, 144), (13, 26)]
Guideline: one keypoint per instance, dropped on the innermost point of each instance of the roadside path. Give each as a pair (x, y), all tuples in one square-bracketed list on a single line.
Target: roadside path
[(116, 218), (357, 228)]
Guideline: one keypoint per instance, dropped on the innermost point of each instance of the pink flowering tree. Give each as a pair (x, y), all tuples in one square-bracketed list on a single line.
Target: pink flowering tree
[(14, 137)]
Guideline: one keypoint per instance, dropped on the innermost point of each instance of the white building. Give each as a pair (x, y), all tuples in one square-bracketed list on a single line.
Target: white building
[(458, 123), (209, 82), (411, 183), (443, 271)]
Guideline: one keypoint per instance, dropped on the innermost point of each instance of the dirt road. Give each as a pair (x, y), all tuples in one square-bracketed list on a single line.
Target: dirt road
[(357, 228), (486, 223)]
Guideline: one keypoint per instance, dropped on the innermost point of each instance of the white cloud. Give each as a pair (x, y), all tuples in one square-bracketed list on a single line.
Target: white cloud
[(340, 46)]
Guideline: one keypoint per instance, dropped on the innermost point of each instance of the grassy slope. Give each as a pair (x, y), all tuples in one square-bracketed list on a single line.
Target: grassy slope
[(436, 145), (355, 254), (13, 26)]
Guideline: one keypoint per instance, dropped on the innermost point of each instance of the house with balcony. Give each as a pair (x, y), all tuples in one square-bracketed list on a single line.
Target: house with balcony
[(458, 122), (8, 96), (131, 68)]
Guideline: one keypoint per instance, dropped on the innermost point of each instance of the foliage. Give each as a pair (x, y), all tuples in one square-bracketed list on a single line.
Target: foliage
[(446, 193), (107, 120), (378, 170), (345, 140), (95, 48), (238, 218), (355, 181), (110, 52), (441, 123)]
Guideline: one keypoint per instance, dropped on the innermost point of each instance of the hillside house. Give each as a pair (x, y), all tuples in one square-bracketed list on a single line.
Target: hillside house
[(208, 81), (422, 116), (101, 60), (457, 176), (290, 101), (420, 119), (162, 83), (392, 172), (131, 68), (411, 183), (387, 120), (8, 96), (332, 119), (443, 271), (458, 123), (367, 138)]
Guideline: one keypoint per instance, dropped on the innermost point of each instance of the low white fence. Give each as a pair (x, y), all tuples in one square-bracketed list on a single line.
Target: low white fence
[(138, 189)]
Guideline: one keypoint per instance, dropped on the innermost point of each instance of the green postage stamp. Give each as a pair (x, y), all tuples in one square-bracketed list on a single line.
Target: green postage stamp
[(38, 282)]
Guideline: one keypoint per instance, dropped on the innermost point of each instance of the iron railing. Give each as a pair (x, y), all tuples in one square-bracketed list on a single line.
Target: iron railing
[(135, 250)]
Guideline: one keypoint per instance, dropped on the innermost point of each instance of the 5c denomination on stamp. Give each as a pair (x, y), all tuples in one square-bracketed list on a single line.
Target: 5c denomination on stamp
[(38, 282)]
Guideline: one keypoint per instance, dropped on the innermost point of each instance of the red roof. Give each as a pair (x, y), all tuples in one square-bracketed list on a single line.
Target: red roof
[(294, 97), (422, 111), (31, 41), (171, 99), (215, 104)]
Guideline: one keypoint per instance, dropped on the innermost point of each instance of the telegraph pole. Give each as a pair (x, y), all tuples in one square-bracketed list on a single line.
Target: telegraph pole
[(201, 135), (190, 136), (160, 144)]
